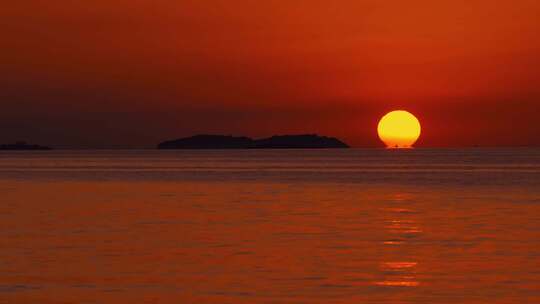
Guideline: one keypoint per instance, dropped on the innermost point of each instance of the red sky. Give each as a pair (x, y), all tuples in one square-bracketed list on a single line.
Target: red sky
[(118, 73)]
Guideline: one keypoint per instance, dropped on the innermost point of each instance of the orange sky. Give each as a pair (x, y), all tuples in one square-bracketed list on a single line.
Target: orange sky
[(118, 73)]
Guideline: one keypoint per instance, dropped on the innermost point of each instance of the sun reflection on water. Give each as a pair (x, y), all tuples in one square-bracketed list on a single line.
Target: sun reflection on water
[(400, 225)]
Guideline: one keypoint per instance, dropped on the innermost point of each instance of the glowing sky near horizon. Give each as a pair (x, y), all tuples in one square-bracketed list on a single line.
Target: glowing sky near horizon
[(110, 73)]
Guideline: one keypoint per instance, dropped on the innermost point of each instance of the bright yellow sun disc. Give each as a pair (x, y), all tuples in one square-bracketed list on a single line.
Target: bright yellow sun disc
[(399, 129)]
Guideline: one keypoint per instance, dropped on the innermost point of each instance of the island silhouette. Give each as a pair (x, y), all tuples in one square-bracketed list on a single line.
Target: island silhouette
[(303, 141), (21, 145)]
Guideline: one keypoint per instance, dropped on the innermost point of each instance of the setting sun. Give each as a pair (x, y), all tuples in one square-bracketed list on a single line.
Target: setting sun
[(399, 129)]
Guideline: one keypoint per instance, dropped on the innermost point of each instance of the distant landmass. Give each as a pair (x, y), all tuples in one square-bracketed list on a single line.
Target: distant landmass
[(21, 145), (305, 141)]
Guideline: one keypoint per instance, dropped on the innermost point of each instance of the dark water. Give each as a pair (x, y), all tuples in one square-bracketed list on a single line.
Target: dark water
[(327, 226)]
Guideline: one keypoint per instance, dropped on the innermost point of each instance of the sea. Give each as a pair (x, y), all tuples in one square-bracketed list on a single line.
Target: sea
[(270, 226)]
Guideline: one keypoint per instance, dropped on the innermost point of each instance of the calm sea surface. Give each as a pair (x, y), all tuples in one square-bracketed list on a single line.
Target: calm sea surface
[(298, 226)]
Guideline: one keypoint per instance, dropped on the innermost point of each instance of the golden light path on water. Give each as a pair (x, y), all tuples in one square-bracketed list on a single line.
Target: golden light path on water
[(400, 226)]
